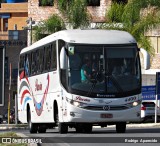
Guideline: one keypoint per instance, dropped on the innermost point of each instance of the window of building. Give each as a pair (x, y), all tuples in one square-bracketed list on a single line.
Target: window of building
[(46, 2), (5, 24), (93, 2), (121, 1)]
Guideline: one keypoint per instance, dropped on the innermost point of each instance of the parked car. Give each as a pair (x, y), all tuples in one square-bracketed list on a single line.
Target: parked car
[(148, 111)]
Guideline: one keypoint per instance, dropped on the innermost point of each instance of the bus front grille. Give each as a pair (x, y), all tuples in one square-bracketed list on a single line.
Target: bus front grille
[(105, 108)]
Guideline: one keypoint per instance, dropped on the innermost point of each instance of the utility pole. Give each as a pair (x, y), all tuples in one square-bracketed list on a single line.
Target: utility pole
[(9, 96), (30, 23)]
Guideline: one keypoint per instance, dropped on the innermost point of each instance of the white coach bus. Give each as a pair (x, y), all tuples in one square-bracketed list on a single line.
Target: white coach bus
[(78, 79)]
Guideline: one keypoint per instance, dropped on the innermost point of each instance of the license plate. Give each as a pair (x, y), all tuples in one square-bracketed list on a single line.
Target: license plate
[(106, 116)]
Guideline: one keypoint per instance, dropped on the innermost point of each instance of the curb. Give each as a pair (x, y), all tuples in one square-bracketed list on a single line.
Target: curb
[(135, 125), (143, 125), (13, 126)]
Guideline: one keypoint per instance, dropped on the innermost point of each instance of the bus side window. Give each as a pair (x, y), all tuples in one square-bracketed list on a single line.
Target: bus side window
[(48, 58), (26, 65), (37, 60), (29, 60), (33, 63), (21, 64), (54, 57), (45, 59), (41, 60), (32, 69)]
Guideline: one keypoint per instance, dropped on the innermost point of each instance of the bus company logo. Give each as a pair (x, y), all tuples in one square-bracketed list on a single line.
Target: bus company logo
[(106, 108), (38, 86), (82, 99)]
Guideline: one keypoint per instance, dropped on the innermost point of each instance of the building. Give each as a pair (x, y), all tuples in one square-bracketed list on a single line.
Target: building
[(13, 38), (97, 9), (38, 12), (13, 18)]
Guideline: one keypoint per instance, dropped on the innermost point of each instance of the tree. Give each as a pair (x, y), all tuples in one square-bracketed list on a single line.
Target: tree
[(136, 17), (53, 24), (74, 12)]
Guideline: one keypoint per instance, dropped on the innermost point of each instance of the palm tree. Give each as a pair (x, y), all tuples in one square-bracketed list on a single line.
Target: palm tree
[(53, 24), (74, 13), (78, 15), (136, 17)]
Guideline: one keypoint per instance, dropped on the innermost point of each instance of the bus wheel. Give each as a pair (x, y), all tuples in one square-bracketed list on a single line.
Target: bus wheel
[(33, 127), (87, 128), (42, 129), (79, 129), (63, 128), (121, 127)]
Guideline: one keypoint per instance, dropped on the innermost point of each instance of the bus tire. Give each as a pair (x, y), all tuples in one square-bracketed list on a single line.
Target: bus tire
[(79, 129), (62, 128), (42, 129), (121, 127), (87, 128), (33, 127), (56, 119)]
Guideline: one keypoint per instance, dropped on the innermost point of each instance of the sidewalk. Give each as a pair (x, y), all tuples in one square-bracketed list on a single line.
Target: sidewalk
[(25, 126), (13, 126)]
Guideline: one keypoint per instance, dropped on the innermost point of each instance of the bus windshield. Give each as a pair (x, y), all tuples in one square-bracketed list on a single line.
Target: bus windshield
[(104, 71)]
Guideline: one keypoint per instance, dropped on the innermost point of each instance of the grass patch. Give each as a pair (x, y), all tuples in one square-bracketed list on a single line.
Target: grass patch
[(10, 134)]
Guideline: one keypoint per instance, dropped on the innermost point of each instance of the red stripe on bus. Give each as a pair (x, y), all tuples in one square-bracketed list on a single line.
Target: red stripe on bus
[(23, 94), (21, 75)]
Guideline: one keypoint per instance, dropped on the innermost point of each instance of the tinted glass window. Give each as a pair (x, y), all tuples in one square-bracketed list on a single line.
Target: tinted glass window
[(53, 57), (41, 60)]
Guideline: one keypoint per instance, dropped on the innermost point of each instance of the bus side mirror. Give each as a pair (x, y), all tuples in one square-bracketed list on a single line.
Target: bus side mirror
[(146, 58), (63, 59)]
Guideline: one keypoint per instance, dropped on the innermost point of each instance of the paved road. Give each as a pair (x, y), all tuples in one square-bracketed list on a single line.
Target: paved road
[(100, 137)]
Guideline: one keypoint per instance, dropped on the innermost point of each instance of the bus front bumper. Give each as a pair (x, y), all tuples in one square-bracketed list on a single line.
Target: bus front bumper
[(80, 115)]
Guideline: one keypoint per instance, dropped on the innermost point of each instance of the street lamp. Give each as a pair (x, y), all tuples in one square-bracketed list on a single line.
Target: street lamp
[(30, 22)]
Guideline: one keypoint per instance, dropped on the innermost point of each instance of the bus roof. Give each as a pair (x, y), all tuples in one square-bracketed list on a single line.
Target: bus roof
[(89, 36)]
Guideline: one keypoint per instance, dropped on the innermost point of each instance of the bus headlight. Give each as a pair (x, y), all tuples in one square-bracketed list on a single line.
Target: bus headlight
[(135, 103), (75, 103)]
